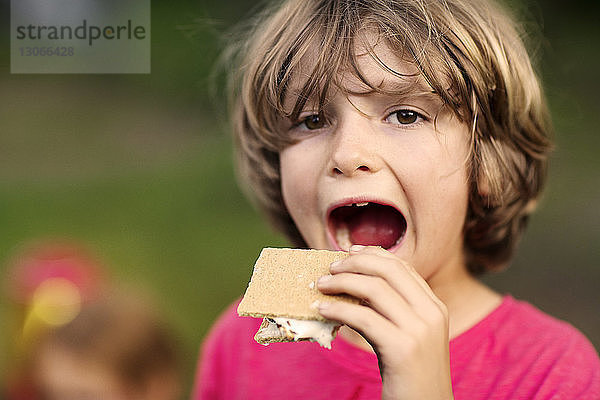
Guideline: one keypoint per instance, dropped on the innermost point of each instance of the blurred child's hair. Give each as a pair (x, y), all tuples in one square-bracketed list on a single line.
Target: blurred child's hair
[(122, 334), (471, 54)]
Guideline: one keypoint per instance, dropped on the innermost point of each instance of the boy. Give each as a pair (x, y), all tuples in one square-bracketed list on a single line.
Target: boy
[(414, 135)]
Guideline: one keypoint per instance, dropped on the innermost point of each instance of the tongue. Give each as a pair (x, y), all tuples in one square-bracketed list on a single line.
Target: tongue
[(375, 226)]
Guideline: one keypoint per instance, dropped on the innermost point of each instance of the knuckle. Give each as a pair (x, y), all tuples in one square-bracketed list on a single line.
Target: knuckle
[(374, 287), (409, 268), (420, 330), (372, 250), (410, 347), (438, 316), (362, 321), (443, 310)]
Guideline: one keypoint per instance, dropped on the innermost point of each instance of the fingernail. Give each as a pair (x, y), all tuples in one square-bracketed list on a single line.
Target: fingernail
[(356, 248), (323, 305), (324, 279), (335, 264)]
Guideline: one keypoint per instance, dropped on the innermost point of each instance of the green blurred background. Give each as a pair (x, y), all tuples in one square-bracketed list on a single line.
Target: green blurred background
[(139, 169)]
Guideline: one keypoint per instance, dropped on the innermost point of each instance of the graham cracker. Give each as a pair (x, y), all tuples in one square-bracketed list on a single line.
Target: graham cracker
[(284, 284)]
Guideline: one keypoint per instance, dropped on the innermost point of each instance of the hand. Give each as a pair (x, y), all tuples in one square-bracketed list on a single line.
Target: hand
[(405, 323)]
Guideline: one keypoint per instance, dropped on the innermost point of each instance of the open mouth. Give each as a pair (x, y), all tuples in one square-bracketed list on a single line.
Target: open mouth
[(366, 223)]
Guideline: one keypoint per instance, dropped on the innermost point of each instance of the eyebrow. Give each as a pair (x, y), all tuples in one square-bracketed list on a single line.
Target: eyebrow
[(412, 88)]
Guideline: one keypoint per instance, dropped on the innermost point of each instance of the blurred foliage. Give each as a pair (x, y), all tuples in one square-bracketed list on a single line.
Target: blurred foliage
[(140, 168)]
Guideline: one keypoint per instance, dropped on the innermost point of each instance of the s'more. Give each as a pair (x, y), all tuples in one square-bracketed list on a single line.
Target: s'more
[(283, 291)]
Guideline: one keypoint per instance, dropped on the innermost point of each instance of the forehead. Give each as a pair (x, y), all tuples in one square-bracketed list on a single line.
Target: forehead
[(373, 66)]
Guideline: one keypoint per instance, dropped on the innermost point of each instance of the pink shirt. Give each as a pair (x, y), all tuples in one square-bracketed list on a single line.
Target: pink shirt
[(516, 352)]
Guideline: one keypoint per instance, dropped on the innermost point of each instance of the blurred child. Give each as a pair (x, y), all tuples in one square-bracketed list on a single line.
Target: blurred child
[(413, 134), (80, 340), (116, 348), (46, 282)]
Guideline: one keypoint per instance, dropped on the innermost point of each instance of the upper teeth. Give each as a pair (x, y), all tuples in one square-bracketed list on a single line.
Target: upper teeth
[(364, 203)]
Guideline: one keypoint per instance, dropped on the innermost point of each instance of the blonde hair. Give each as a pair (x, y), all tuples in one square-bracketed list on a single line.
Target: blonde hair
[(470, 53)]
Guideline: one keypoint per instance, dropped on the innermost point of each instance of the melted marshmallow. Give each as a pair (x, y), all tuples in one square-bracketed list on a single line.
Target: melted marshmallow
[(321, 332)]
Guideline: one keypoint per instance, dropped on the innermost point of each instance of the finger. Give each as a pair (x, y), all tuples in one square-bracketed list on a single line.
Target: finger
[(378, 294), (372, 326), (374, 250), (391, 269), (400, 275), (379, 251)]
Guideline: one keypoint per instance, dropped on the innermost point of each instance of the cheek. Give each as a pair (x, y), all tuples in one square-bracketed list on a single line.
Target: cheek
[(451, 197), (438, 184), (297, 180)]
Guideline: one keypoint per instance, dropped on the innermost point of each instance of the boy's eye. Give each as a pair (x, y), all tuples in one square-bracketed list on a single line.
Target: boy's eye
[(404, 117), (312, 122)]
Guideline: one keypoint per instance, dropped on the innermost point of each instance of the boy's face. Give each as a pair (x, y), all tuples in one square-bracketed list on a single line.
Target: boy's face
[(404, 155)]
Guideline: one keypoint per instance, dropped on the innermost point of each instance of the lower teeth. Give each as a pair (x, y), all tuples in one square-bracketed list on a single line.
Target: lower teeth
[(342, 236)]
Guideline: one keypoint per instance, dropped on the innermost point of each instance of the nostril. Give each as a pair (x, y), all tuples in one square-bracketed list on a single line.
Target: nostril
[(340, 171)]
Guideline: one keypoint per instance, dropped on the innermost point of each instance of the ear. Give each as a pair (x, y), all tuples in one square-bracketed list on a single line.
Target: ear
[(483, 184)]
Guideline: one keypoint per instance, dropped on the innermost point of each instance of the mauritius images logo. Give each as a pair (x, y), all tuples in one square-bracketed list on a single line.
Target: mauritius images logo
[(80, 36)]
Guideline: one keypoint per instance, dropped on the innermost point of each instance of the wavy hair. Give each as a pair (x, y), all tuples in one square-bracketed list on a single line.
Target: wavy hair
[(470, 52)]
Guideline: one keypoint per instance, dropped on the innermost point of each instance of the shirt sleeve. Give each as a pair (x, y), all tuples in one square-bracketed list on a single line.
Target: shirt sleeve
[(208, 384), (574, 374)]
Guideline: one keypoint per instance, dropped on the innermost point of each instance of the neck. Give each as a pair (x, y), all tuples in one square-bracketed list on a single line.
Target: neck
[(467, 299)]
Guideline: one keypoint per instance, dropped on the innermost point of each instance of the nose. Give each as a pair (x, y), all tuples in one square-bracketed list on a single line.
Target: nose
[(353, 149)]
